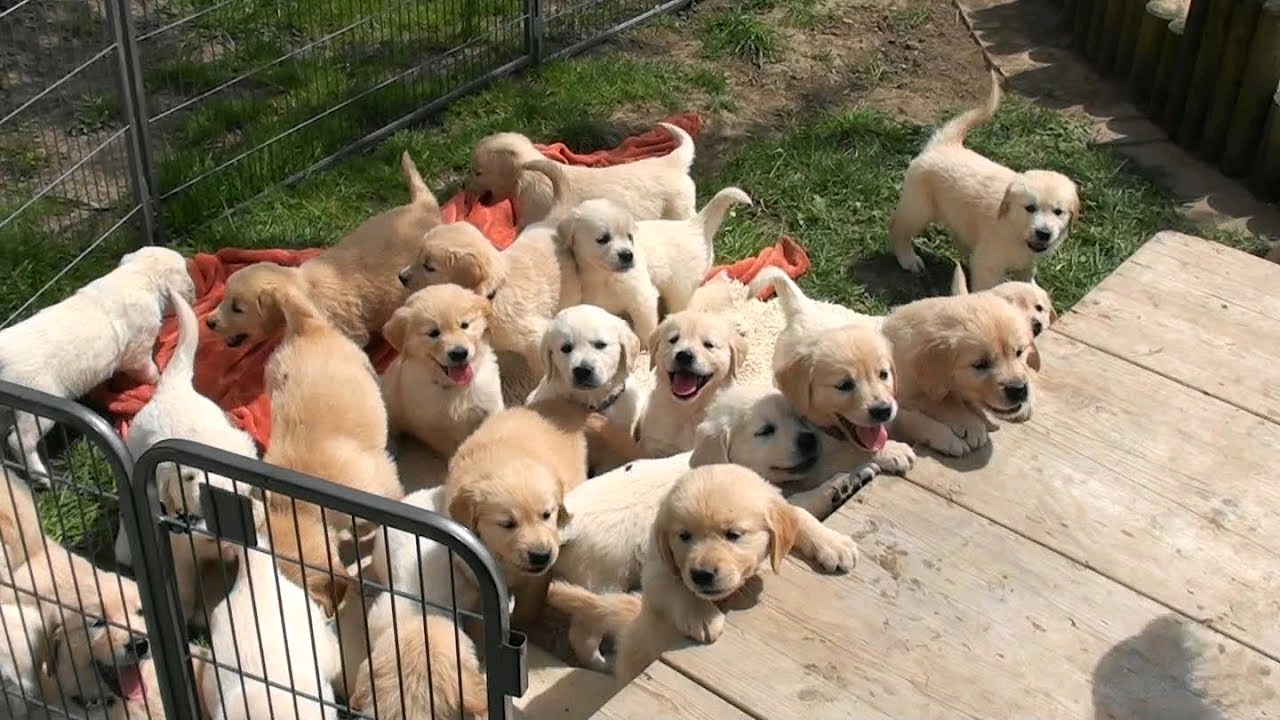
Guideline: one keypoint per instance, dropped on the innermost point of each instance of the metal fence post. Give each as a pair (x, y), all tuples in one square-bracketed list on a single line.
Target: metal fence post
[(132, 95), (533, 30)]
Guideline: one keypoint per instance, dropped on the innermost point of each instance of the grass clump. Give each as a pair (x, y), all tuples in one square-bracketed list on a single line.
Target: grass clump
[(737, 32)]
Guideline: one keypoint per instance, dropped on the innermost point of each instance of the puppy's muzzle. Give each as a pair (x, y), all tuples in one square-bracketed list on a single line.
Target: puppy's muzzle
[(1016, 392), (538, 560), (625, 260), (881, 412), (584, 376), (703, 578), (405, 276), (807, 442), (1040, 240), (458, 355), (1037, 327), (684, 359)]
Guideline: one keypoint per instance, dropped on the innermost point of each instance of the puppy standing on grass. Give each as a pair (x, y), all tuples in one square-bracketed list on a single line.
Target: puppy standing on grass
[(445, 381), (1007, 221), (1029, 298), (70, 348), (962, 360), (628, 266), (714, 530), (353, 283), (650, 189)]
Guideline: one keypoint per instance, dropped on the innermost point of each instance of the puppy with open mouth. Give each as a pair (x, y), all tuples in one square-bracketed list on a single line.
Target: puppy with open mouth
[(693, 355), (963, 360), (445, 381)]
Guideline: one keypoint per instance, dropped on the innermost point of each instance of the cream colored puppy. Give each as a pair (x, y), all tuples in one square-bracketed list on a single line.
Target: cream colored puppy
[(1007, 221), (961, 359), (352, 283), (526, 284), (836, 368), (445, 381), (70, 348), (714, 530), (628, 266), (693, 355), (1029, 298), (650, 189)]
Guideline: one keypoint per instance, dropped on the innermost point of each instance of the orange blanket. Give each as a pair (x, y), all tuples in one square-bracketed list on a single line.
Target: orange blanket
[(232, 377)]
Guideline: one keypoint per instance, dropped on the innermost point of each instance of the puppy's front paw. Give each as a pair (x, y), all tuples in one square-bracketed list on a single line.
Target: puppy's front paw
[(896, 458), (945, 442), (835, 553), (851, 482), (972, 430), (704, 628)]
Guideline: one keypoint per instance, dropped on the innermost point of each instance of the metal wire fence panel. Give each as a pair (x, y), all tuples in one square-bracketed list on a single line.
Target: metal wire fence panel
[(318, 600)]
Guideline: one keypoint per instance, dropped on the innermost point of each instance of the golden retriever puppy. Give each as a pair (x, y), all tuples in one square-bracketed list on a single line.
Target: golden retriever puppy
[(1007, 221), (445, 381), (353, 283), (92, 671), (961, 359), (303, 540), (526, 284), (507, 482), (415, 662), (693, 355), (71, 347), (836, 368), (1031, 299), (714, 530), (650, 189), (721, 294)]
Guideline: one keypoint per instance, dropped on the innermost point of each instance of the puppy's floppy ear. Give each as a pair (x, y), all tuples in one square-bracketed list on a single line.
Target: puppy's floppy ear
[(1075, 208), (794, 378), (466, 269), (782, 531), (1053, 313), (655, 340), (462, 507), (630, 344), (711, 442), (663, 544), (930, 367), (737, 350), (565, 229), (57, 638), (563, 516), (1006, 202), (396, 331), (1033, 357), (547, 351)]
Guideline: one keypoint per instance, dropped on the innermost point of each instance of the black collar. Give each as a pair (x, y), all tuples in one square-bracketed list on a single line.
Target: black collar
[(609, 401)]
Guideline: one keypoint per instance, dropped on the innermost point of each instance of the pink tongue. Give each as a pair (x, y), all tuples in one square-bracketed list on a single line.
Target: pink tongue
[(684, 384), (460, 374), (130, 682), (873, 438)]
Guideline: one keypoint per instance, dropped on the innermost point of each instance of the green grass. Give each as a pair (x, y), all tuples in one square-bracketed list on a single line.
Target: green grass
[(739, 33)]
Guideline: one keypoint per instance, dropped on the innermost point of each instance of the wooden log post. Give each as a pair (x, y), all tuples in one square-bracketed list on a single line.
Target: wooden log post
[(1109, 43), (1080, 20), (1097, 23), (1169, 54), (1204, 76), (1265, 181), (1235, 55), (1069, 8), (1180, 77), (1131, 22), (1257, 86), (1153, 32)]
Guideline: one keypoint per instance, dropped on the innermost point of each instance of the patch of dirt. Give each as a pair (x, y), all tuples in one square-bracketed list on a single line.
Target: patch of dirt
[(912, 58)]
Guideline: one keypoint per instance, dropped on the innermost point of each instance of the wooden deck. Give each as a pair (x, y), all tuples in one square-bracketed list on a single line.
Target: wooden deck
[(1118, 556)]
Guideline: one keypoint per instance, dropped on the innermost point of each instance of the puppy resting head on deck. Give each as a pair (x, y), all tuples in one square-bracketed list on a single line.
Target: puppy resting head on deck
[(456, 253), (1030, 299), (443, 327)]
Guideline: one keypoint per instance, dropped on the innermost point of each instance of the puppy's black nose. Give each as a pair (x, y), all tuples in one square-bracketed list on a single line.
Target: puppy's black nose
[(702, 577), (582, 373), (684, 358), (1043, 235), (404, 276), (1017, 392), (880, 412), (210, 323), (539, 559), (139, 646), (458, 354), (807, 442), (626, 258), (1036, 326)]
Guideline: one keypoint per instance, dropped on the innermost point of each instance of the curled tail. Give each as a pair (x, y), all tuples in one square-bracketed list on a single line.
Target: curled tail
[(712, 214), (955, 130), (182, 365), (419, 193), (683, 154), (794, 301), (559, 181), (959, 286)]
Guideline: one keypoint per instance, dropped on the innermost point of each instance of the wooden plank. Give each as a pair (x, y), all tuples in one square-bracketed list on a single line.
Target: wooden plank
[(950, 616), (1149, 482), (1195, 311), (566, 693)]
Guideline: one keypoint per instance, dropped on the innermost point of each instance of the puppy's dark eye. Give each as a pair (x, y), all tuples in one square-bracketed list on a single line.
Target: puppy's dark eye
[(546, 514), (599, 344), (433, 333), (1019, 353), (732, 535), (1031, 208), (708, 345), (1057, 211), (465, 325), (235, 306), (428, 267), (685, 536), (766, 431), (984, 364), (603, 239), (884, 374), (674, 339), (845, 386), (631, 238), (507, 524), (100, 622), (566, 348)]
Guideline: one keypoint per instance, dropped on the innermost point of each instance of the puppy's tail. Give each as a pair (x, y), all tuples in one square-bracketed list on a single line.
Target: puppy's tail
[(794, 301), (958, 127), (419, 193), (959, 286), (559, 182), (682, 156), (182, 365), (712, 214)]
